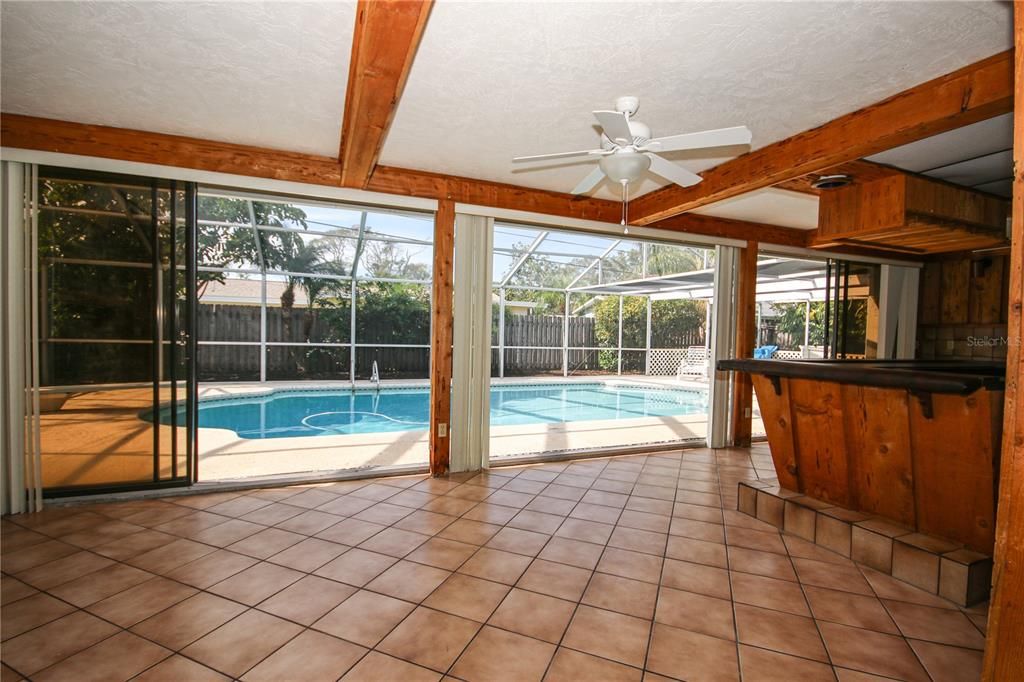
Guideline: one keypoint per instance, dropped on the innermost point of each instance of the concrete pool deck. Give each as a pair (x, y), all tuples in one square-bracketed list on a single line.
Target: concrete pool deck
[(98, 437)]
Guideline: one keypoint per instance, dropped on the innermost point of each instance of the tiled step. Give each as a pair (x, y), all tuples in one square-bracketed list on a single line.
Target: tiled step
[(938, 566)]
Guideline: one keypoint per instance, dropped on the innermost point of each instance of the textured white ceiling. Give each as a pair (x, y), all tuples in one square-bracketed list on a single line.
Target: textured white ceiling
[(267, 74), (978, 155), (500, 79)]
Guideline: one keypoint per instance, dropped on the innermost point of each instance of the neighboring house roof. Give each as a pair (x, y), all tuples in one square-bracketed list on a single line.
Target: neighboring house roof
[(247, 292)]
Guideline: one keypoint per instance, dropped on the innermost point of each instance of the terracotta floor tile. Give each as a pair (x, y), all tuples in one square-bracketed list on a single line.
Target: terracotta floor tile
[(273, 514), (466, 596), (51, 643), (551, 505), (212, 568), (697, 512), (510, 498), (142, 601), (103, 583), (452, 506), (65, 569), (310, 522), (469, 491), (798, 547), (887, 587), (685, 655), (871, 652), (708, 580), (572, 552), (761, 563), (534, 615), (356, 567), (698, 530), (426, 522), (570, 666), (782, 632), (596, 512), (164, 559), (31, 612), (266, 543), (521, 485), (409, 581), (256, 583), (350, 532), (755, 539), (179, 669), (519, 541), (770, 593), (364, 618), (696, 551), (556, 580), (190, 524), (617, 500), (308, 555), (566, 493), (319, 657), (384, 513), (860, 611), (443, 553), (120, 657), (394, 542), (609, 635), (639, 540), (377, 492), (312, 498), (696, 612), (651, 506), (227, 533), (761, 665), (943, 626), (413, 499), (238, 506), (629, 564), (587, 531), (188, 620), (536, 521), (376, 667), (493, 564), (623, 595), (655, 523), (491, 513), (495, 656), (833, 576), (470, 532), (12, 589), (232, 649), (133, 545), (429, 638), (101, 533), (307, 600), (948, 663)]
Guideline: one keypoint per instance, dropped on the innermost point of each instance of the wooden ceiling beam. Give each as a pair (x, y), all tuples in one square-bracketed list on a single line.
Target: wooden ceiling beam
[(971, 94), (387, 34), (860, 171), (27, 132)]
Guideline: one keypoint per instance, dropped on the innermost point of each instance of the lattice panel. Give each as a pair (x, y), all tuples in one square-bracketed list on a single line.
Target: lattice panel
[(665, 361)]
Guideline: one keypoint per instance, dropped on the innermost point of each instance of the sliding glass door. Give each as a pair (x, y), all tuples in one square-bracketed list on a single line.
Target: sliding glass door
[(115, 280)]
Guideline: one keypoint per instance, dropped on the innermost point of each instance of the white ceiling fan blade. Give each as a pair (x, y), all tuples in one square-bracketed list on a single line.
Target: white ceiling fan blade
[(672, 172), (616, 126), (561, 155), (722, 137), (590, 182)]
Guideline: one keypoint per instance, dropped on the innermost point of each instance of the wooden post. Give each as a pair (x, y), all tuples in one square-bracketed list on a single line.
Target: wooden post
[(441, 338), (746, 308), (1004, 645)]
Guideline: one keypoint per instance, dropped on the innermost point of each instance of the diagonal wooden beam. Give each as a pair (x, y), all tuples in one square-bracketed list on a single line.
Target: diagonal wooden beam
[(27, 132), (971, 94), (386, 36)]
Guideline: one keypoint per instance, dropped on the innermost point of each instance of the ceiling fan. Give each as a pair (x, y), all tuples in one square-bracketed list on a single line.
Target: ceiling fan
[(628, 150)]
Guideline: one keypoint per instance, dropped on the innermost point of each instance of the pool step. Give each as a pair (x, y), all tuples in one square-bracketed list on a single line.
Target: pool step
[(932, 564)]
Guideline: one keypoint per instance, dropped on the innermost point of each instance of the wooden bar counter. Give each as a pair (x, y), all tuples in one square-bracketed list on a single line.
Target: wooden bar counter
[(916, 442)]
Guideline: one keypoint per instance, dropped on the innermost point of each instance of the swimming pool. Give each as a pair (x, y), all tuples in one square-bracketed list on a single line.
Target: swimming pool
[(291, 413)]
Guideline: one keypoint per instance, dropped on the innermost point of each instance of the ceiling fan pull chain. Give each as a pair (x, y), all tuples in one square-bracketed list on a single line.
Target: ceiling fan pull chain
[(625, 207)]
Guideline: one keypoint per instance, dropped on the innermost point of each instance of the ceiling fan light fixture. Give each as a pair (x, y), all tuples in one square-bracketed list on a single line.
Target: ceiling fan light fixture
[(625, 167)]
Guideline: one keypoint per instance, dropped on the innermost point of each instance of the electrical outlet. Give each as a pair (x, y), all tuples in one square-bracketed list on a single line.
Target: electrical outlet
[(442, 430)]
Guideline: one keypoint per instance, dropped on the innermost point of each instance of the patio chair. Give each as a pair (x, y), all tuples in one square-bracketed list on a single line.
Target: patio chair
[(695, 363)]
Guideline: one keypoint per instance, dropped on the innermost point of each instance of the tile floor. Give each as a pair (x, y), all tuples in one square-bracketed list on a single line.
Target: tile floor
[(622, 568)]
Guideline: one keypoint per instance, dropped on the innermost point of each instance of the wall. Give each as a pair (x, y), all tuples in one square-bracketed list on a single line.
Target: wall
[(962, 309)]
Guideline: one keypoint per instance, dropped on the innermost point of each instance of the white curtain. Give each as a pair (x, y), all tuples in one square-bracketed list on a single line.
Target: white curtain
[(723, 337), (20, 476), (471, 361)]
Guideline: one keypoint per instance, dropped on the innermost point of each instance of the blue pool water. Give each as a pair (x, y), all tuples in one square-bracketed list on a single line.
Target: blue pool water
[(286, 414)]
